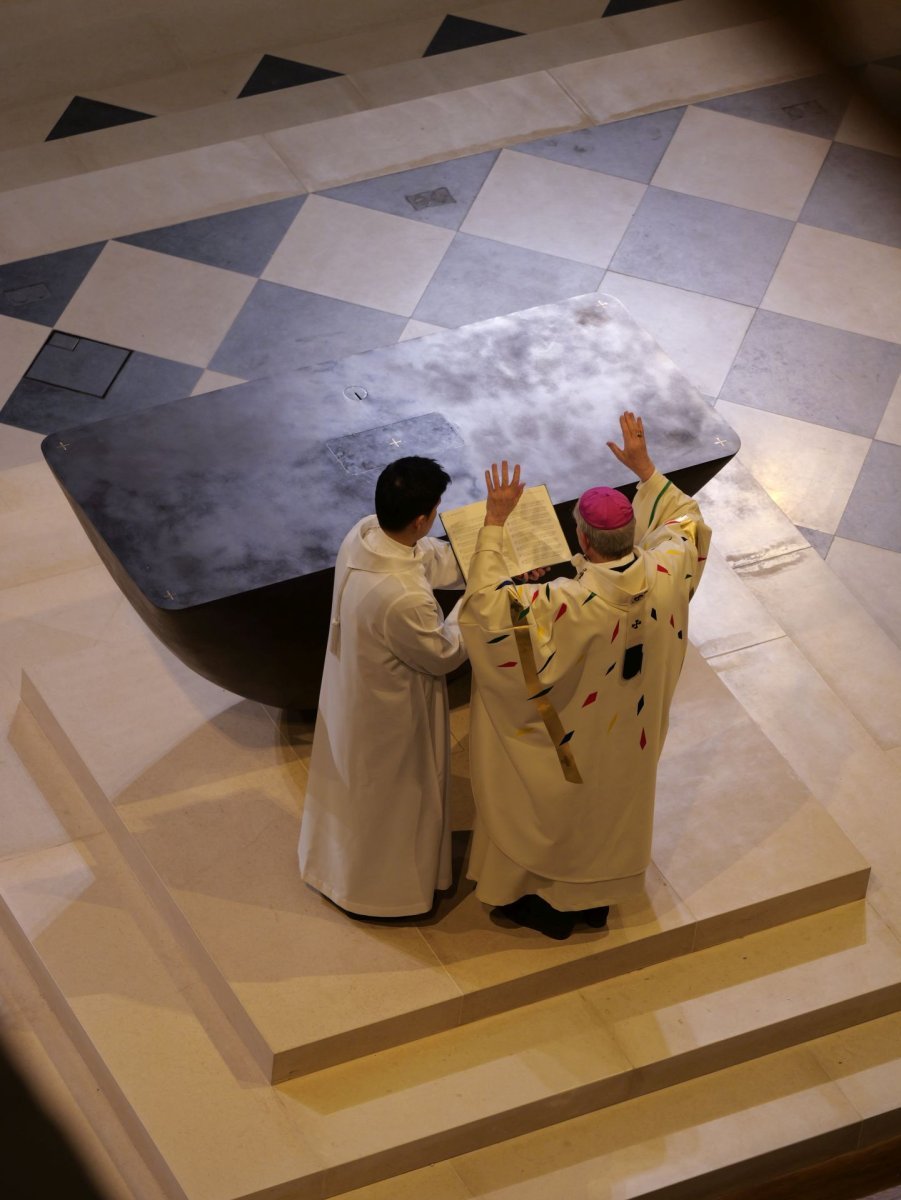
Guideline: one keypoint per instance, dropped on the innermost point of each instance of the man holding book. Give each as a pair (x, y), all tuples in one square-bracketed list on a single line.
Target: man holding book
[(375, 836), (572, 683)]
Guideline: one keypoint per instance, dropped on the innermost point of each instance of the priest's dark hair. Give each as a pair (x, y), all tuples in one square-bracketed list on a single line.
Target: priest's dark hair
[(407, 489)]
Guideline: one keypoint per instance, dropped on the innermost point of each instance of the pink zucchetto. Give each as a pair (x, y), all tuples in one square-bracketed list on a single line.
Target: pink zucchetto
[(605, 508)]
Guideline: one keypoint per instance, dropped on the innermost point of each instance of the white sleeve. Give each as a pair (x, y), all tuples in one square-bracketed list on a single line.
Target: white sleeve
[(440, 564), (417, 632)]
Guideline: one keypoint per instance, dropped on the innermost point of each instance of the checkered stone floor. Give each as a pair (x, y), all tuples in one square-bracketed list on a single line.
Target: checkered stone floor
[(761, 253)]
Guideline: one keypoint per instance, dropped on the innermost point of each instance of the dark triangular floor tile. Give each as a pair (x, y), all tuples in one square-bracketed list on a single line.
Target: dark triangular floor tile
[(38, 289), (820, 541), (85, 116), (243, 240), (439, 194), (273, 73), (459, 33), (615, 7), (814, 104)]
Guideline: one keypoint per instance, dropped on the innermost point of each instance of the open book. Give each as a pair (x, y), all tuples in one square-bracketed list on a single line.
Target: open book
[(532, 535)]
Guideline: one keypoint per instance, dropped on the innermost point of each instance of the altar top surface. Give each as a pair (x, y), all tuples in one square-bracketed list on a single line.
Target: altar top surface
[(217, 494)]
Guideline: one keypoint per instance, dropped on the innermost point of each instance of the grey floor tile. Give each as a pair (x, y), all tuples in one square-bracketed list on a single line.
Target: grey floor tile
[(143, 382), (280, 328), (147, 380), (820, 541), (814, 105), (243, 240), (38, 289), (77, 363), (631, 149), (857, 192), (480, 278), (873, 512), (804, 370), (439, 194), (702, 245)]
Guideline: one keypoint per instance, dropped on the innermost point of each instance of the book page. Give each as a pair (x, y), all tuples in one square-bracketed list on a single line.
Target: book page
[(532, 535), (535, 532)]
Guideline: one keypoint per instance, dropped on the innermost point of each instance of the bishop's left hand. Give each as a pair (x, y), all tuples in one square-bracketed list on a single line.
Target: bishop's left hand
[(504, 492)]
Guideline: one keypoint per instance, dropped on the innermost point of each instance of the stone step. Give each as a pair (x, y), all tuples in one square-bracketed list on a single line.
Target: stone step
[(181, 166), (62, 1084), (219, 1131), (740, 1127), (192, 113), (790, 590), (789, 641), (206, 814)]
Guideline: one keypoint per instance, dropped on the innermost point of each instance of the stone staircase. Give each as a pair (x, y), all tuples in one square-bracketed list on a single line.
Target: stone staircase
[(214, 1031)]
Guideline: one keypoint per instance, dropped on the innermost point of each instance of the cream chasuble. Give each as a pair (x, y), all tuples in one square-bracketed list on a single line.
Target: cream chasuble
[(571, 692), (375, 833)]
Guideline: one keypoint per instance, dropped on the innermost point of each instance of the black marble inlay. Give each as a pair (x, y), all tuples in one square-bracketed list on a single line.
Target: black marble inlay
[(436, 196), (78, 364), (84, 116), (38, 289), (429, 435), (615, 7), (459, 33), (28, 295), (815, 104), (243, 240), (143, 382), (461, 177), (272, 73)]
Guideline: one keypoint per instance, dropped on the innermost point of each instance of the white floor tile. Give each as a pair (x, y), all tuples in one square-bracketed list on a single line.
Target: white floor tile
[(19, 343), (809, 470), (855, 656), (701, 334), (724, 614), (746, 163), (840, 281), (867, 126), (890, 427), (873, 575), (553, 208), (415, 329), (359, 255), (19, 447), (156, 303), (212, 381)]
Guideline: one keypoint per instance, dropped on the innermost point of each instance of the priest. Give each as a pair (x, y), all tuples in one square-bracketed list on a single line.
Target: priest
[(572, 684), (375, 836)]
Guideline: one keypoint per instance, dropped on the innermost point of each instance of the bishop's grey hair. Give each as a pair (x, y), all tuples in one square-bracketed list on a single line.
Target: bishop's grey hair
[(610, 543)]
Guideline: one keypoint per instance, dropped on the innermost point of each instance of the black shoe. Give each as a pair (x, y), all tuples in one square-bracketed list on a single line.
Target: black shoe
[(595, 917), (535, 913)]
